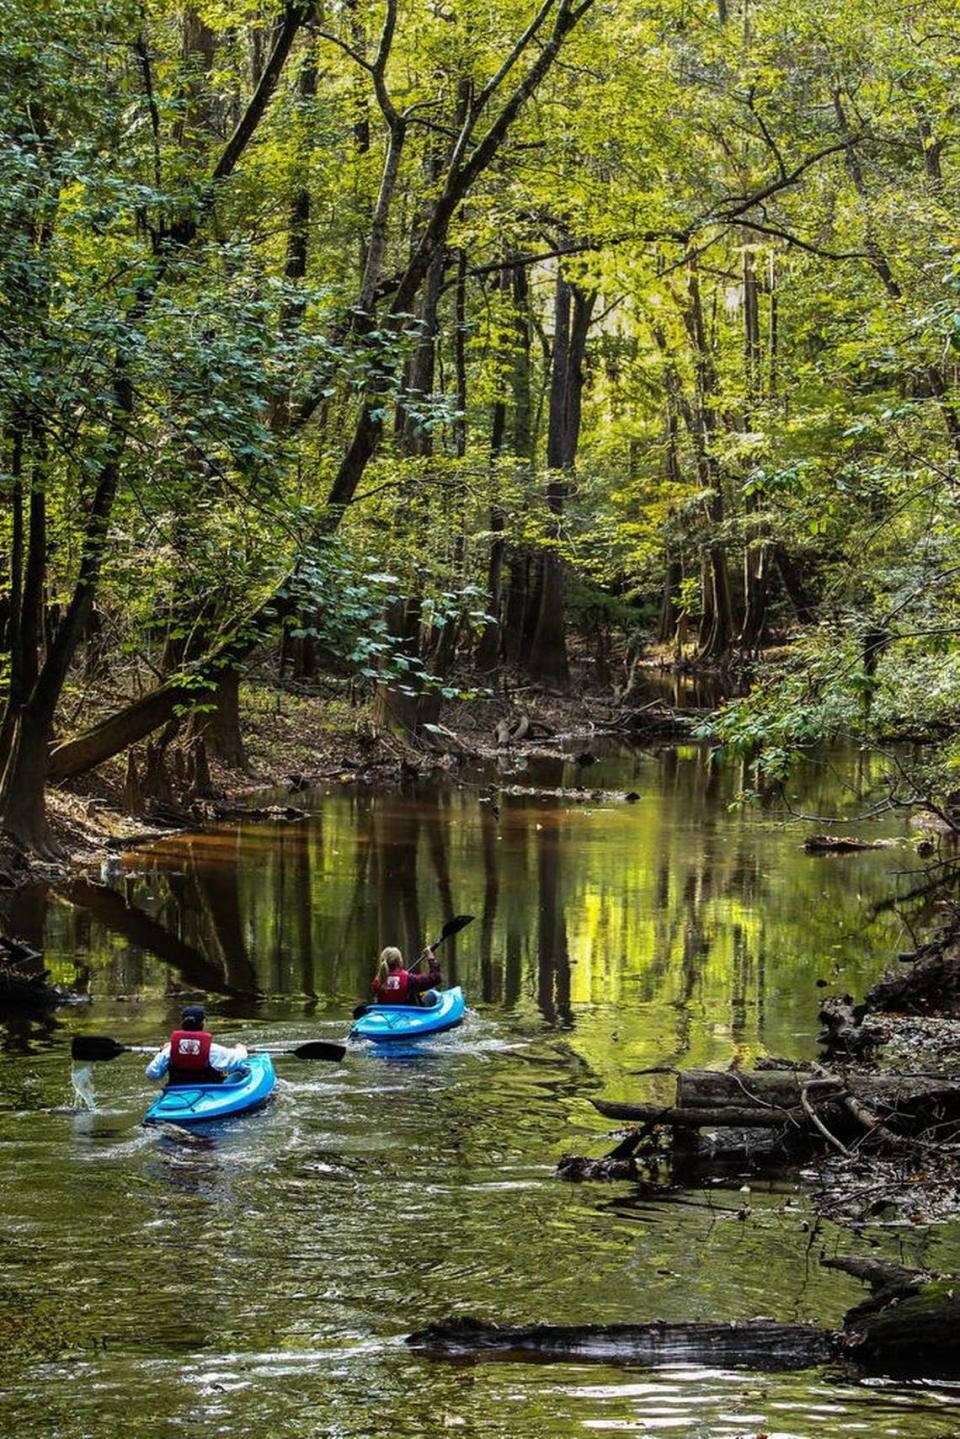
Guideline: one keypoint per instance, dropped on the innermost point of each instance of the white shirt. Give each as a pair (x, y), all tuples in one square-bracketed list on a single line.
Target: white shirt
[(220, 1058)]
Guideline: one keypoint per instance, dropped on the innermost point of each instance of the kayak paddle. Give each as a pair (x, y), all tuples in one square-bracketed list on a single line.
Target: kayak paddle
[(101, 1046), (452, 927)]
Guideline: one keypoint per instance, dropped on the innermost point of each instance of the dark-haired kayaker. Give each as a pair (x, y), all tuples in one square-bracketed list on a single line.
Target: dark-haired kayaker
[(393, 984), (190, 1056)]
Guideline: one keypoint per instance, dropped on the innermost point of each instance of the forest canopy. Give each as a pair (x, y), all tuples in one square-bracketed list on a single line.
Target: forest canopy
[(417, 342)]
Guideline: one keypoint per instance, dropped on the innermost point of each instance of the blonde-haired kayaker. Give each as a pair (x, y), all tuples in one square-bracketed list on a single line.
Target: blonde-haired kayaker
[(395, 984)]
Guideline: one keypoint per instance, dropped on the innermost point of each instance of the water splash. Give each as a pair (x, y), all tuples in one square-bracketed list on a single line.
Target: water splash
[(84, 1096)]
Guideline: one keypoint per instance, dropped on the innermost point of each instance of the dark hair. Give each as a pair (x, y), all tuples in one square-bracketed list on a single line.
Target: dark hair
[(193, 1016)]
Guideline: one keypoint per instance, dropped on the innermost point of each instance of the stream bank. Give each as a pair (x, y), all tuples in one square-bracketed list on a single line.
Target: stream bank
[(293, 741)]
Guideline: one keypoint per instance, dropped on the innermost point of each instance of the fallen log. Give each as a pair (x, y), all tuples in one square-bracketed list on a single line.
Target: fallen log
[(757, 1346), (620, 1163), (840, 844), (909, 1328), (705, 1096), (911, 1333), (842, 1036), (699, 1117)]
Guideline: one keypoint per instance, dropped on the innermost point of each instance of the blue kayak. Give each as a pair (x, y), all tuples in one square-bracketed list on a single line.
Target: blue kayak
[(242, 1090), (386, 1022)]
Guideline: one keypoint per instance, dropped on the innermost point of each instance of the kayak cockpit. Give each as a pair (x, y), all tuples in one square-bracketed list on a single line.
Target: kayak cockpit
[(391, 1022), (240, 1091)]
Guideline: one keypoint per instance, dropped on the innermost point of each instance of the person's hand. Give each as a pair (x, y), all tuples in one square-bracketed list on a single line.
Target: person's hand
[(427, 954)]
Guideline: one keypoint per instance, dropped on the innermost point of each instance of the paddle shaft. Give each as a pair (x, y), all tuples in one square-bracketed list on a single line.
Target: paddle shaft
[(452, 927), (100, 1048)]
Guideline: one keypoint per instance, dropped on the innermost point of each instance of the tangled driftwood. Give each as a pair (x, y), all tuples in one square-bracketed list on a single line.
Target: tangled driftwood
[(23, 980), (847, 1101)]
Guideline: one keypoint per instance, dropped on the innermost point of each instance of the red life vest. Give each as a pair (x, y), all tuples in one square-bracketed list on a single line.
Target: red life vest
[(395, 989), (189, 1054)]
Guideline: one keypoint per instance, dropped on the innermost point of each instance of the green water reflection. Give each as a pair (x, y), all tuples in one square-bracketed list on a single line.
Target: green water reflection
[(264, 1284)]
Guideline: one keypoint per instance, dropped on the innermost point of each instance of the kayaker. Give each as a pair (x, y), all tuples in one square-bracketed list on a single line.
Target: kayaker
[(394, 984), (190, 1056)]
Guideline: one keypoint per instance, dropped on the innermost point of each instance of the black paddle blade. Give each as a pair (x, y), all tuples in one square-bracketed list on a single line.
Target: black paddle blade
[(95, 1046), (360, 1011), (452, 927), (319, 1049)]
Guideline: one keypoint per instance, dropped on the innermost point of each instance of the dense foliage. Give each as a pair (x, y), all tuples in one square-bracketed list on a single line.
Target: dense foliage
[(604, 322)]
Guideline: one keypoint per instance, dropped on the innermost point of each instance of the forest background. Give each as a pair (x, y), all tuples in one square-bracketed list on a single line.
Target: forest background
[(404, 346)]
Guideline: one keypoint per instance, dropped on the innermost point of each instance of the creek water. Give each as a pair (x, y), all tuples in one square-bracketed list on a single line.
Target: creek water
[(263, 1282)]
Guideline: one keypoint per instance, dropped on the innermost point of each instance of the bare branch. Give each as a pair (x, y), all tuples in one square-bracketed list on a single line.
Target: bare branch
[(354, 55), (791, 239), (741, 204)]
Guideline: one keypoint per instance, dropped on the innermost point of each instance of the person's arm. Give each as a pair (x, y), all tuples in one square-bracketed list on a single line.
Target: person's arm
[(159, 1064), (223, 1058), (430, 980)]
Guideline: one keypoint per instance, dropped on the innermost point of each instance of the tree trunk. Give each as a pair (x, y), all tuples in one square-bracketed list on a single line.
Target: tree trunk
[(518, 605), (803, 605), (717, 629), (220, 727), (416, 431), (572, 314), (487, 654), (757, 1345), (670, 601), (22, 809), (756, 573), (755, 557), (396, 705), (12, 642)]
